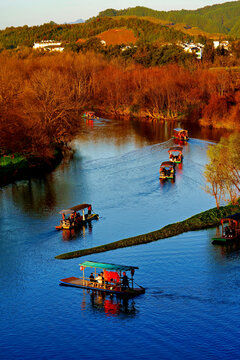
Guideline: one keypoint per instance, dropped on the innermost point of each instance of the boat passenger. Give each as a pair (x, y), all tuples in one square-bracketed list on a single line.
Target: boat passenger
[(102, 275), (89, 209), (91, 278), (227, 231), (125, 282), (99, 279), (231, 231)]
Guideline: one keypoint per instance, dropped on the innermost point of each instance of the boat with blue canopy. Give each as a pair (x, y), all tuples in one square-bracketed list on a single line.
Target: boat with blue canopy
[(110, 278)]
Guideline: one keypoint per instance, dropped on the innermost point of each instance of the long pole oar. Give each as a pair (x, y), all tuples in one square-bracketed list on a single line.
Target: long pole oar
[(138, 284)]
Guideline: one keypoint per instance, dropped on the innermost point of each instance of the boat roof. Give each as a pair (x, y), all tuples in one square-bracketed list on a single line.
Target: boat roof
[(74, 208), (167, 163), (235, 217), (175, 148), (80, 207), (105, 266), (179, 129)]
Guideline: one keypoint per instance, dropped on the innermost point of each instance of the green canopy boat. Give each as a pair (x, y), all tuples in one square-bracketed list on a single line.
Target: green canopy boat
[(112, 280)]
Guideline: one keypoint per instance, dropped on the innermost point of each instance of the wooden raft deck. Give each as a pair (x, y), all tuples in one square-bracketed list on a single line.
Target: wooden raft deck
[(108, 288)]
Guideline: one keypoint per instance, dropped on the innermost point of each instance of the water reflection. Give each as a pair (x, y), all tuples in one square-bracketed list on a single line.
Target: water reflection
[(42, 195), (143, 132), (74, 234), (166, 184), (34, 195), (110, 305), (228, 251)]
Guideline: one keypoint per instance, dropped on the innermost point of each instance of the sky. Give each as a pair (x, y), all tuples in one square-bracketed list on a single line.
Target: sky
[(37, 12)]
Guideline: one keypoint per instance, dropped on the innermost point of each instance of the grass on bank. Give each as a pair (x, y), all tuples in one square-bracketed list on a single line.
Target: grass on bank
[(11, 160), (206, 219), (17, 167)]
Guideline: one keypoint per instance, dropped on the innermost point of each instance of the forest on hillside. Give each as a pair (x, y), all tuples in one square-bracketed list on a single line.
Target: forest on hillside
[(42, 97), (144, 30), (221, 18)]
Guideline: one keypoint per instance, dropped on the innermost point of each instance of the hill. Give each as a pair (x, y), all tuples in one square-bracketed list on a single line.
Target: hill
[(118, 36), (221, 18), (191, 31), (142, 29)]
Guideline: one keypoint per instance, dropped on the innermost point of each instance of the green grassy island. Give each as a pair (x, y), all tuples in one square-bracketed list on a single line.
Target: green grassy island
[(203, 220)]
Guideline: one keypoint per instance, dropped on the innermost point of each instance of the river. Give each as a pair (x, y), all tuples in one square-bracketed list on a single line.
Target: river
[(191, 306)]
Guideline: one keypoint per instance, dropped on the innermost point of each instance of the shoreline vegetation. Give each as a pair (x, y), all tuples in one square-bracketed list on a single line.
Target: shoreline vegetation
[(203, 220), (16, 167), (43, 95)]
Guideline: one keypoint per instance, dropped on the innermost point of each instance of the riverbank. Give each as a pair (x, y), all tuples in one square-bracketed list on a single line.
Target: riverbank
[(203, 220), (11, 171)]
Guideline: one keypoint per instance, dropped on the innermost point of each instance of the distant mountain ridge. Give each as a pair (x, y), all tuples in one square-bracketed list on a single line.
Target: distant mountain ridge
[(79, 21), (221, 18)]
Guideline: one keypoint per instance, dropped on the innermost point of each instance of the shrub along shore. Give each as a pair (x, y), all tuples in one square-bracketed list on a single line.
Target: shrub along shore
[(203, 220), (20, 168)]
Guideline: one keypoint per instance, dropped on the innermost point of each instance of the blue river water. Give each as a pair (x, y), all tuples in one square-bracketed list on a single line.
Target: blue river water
[(191, 306)]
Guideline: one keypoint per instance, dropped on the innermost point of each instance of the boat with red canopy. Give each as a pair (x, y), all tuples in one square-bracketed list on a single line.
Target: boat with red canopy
[(230, 230), (167, 170), (112, 279), (175, 154), (89, 114), (72, 218), (180, 134)]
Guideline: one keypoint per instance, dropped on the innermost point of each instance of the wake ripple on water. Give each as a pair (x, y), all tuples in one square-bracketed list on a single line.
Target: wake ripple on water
[(159, 294)]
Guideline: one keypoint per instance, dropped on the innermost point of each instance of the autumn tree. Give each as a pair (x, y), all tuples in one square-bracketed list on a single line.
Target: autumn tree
[(222, 173), (213, 175)]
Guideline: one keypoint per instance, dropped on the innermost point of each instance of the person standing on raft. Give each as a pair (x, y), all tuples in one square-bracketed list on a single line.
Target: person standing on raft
[(125, 282)]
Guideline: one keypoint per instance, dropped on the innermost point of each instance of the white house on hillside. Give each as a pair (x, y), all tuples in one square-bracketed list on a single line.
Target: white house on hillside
[(224, 43), (48, 45)]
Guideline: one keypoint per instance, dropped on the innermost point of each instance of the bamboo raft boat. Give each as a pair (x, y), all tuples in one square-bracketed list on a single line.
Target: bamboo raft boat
[(230, 232), (76, 219), (111, 282)]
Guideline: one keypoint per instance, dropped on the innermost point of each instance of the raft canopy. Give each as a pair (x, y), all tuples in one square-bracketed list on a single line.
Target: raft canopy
[(234, 217), (75, 208), (179, 130), (89, 113), (105, 266), (175, 148), (167, 164)]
